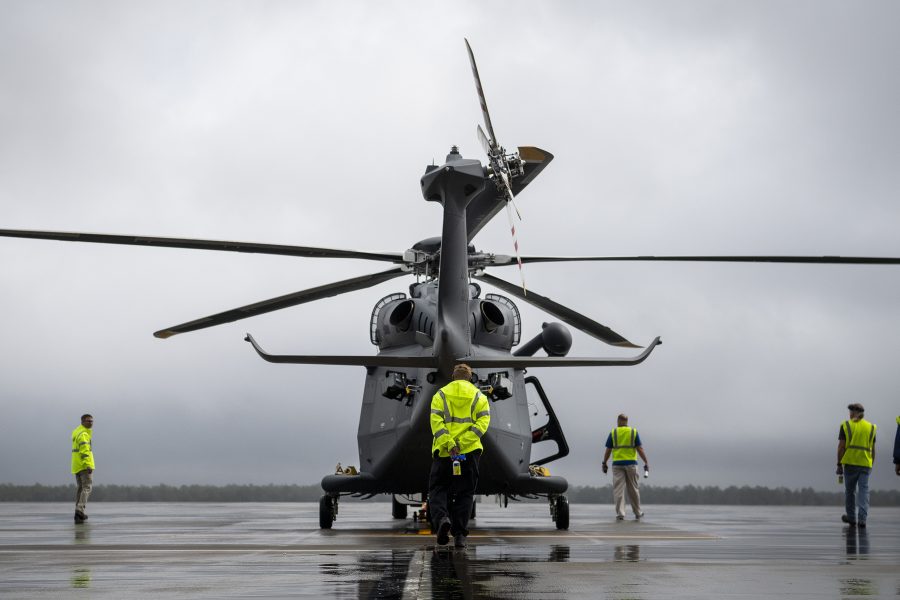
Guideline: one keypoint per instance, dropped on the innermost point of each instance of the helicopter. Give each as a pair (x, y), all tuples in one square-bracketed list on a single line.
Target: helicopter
[(445, 318)]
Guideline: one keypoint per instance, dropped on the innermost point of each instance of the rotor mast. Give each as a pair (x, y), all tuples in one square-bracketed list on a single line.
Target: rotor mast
[(454, 184)]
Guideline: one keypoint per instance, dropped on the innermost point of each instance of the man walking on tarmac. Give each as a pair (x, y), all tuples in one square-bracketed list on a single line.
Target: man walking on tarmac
[(855, 454), (460, 416), (897, 449), (82, 465), (624, 444)]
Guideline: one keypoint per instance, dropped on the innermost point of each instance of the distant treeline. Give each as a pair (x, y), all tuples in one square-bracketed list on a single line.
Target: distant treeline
[(732, 495), (164, 493), (689, 494)]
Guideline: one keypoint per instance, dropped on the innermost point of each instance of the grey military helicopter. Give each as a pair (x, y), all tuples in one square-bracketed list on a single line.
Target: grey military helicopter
[(444, 319)]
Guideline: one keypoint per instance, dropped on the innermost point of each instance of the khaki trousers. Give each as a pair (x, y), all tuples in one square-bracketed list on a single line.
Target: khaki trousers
[(85, 482), (625, 478)]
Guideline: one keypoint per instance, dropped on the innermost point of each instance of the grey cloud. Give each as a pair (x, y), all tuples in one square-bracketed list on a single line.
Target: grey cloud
[(677, 128)]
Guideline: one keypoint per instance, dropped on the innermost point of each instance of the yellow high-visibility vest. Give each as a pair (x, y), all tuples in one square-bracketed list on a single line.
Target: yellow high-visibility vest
[(82, 451), (460, 416), (623, 440), (859, 437)]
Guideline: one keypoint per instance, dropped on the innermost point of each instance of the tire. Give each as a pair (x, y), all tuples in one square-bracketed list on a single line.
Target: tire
[(326, 512), (398, 509), (562, 512)]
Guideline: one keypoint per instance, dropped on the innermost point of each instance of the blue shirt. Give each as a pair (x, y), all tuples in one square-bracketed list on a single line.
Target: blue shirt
[(622, 463), (897, 446)]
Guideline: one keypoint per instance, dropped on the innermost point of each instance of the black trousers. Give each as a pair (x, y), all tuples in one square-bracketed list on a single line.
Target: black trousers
[(452, 495)]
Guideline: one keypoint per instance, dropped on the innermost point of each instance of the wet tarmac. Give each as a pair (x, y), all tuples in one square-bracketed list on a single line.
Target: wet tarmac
[(133, 550)]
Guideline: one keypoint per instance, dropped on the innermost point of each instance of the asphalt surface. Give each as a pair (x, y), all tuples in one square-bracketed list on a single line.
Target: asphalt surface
[(133, 550)]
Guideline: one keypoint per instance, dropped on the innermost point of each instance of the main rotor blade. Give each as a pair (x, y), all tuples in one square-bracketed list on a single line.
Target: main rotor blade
[(483, 140), (228, 246), (565, 314), (825, 260), (302, 297), (481, 100)]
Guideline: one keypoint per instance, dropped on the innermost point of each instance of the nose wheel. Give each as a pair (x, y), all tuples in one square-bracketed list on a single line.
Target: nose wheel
[(559, 511), (398, 509), (328, 509)]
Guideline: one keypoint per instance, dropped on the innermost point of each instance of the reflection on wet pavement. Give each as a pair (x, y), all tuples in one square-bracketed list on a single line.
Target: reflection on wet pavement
[(857, 542), (627, 553), (450, 575), (559, 553), (81, 577), (82, 534), (222, 551), (446, 572), (389, 575), (858, 587)]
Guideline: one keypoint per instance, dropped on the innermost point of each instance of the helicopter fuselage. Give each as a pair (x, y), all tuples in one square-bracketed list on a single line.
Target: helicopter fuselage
[(394, 433), (447, 320)]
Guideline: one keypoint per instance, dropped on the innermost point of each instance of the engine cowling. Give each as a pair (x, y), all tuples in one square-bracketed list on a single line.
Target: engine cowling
[(493, 323)]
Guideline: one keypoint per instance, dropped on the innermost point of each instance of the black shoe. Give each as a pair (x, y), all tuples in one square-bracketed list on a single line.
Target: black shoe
[(459, 541), (80, 517), (847, 520), (443, 534)]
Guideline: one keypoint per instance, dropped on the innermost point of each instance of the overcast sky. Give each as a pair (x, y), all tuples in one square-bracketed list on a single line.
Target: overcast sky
[(678, 128)]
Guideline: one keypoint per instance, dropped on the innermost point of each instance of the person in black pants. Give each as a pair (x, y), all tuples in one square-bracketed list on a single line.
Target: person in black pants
[(460, 416)]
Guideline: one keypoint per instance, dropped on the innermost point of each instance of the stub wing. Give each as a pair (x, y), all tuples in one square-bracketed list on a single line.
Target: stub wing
[(509, 362), (347, 360), (524, 362)]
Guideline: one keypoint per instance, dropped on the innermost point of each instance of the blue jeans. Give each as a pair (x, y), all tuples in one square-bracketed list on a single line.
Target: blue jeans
[(856, 476)]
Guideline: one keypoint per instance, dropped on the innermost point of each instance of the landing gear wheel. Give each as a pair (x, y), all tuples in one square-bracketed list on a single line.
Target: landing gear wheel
[(560, 512), (398, 509), (327, 511)]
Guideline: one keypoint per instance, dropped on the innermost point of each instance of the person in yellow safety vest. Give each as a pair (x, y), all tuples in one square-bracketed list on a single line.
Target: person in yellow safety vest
[(460, 417), (83, 465), (624, 444), (855, 454)]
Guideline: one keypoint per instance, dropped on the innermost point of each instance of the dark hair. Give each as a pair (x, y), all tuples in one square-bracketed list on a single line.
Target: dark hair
[(83, 417), (856, 407)]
